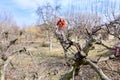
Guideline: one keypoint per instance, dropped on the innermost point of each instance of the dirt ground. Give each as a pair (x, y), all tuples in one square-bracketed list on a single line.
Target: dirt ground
[(45, 65), (57, 68)]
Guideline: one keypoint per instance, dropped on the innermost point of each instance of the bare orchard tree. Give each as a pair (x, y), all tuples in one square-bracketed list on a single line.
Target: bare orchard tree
[(80, 57), (47, 15), (10, 49)]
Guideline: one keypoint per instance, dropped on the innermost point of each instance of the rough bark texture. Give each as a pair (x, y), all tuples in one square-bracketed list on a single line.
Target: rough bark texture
[(80, 58)]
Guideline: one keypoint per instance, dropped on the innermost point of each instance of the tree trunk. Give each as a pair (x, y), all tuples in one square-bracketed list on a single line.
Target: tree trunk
[(50, 43)]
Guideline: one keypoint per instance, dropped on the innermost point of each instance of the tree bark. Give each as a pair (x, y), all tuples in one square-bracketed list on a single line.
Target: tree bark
[(98, 70)]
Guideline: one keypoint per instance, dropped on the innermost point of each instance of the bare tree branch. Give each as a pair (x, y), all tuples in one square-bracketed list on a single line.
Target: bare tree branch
[(98, 70)]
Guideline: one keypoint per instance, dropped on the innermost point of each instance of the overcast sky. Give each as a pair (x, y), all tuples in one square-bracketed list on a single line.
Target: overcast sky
[(23, 11)]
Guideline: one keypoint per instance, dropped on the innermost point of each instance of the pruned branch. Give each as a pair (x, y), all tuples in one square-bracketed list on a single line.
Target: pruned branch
[(12, 42), (98, 70), (110, 48), (96, 30), (88, 45)]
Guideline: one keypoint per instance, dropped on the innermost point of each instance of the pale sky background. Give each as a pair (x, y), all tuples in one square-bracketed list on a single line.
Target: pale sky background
[(23, 11)]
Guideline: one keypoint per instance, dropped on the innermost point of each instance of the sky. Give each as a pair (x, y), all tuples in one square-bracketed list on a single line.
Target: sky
[(24, 11)]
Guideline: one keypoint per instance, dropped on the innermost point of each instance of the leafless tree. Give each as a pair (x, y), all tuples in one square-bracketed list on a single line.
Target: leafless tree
[(47, 15)]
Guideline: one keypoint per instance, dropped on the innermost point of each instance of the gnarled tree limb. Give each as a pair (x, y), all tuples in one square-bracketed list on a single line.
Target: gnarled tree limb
[(98, 70), (79, 60)]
